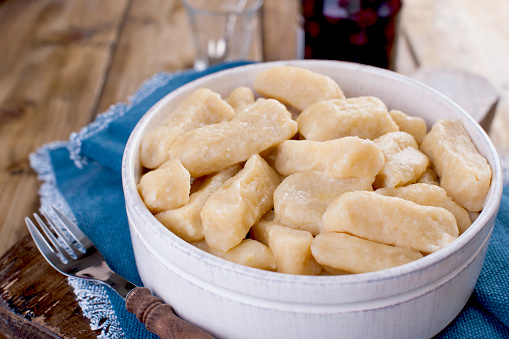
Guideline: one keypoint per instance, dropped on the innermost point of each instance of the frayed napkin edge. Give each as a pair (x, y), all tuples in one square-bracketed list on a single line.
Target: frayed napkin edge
[(96, 306), (92, 297), (115, 111)]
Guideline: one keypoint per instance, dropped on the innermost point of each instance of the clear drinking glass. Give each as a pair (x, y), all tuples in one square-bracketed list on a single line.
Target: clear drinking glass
[(225, 30)]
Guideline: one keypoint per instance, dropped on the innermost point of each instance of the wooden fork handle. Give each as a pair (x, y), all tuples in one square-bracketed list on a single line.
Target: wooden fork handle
[(159, 318)]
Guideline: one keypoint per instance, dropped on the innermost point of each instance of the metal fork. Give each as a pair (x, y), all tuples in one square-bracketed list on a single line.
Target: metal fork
[(72, 253)]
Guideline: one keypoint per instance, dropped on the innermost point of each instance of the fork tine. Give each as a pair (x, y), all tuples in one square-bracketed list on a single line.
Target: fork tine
[(40, 241), (73, 229), (52, 256), (51, 237), (65, 238)]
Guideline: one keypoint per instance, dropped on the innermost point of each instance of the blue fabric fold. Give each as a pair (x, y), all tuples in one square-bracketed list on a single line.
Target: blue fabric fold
[(82, 176)]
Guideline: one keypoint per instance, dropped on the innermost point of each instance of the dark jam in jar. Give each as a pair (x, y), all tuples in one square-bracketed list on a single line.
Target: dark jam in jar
[(361, 31)]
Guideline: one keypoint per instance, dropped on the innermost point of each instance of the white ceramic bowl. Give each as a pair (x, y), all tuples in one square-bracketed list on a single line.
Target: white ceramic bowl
[(415, 300)]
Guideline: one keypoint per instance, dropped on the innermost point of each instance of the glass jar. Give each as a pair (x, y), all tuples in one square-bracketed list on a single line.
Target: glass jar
[(362, 31)]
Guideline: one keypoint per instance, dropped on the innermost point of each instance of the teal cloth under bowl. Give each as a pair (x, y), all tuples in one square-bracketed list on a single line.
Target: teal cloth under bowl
[(82, 176)]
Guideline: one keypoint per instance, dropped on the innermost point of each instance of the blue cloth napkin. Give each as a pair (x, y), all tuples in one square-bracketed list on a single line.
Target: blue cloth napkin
[(82, 177)]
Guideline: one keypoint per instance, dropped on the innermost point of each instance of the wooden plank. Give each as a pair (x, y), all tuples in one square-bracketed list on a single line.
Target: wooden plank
[(405, 62), (155, 38), (36, 301), (54, 60), (473, 93), (282, 29), (470, 35), (12, 63)]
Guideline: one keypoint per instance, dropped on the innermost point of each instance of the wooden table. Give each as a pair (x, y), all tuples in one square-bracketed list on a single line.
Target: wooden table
[(64, 62)]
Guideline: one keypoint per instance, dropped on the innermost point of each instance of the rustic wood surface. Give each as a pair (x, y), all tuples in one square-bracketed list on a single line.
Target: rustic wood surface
[(35, 300), (469, 35), (64, 62)]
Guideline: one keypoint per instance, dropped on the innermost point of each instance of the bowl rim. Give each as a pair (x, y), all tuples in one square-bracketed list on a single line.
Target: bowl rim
[(489, 211)]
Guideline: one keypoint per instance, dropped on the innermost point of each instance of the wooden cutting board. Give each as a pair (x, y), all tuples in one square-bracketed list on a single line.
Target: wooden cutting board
[(35, 300), (472, 92)]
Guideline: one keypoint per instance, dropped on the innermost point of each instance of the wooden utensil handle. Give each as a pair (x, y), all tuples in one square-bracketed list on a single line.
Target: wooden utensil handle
[(159, 318)]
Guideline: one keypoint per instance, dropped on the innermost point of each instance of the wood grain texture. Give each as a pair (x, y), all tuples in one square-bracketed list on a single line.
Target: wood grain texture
[(35, 300), (155, 38), (282, 29), (56, 57), (467, 34), (473, 93), (54, 60), (405, 62)]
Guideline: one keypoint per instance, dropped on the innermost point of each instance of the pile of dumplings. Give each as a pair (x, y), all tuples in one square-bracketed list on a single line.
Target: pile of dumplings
[(296, 178)]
